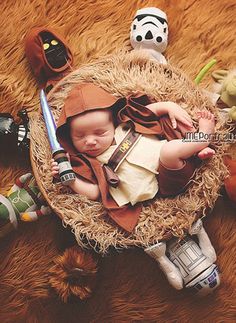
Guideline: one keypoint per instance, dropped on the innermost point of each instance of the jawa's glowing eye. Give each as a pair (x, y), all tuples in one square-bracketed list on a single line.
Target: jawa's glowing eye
[(54, 42), (46, 46)]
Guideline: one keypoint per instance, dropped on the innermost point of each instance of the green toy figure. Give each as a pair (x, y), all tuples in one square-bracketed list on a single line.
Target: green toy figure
[(227, 100), (23, 202), (227, 90)]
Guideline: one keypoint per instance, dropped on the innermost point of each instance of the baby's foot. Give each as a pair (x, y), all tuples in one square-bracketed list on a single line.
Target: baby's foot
[(206, 123), (206, 153)]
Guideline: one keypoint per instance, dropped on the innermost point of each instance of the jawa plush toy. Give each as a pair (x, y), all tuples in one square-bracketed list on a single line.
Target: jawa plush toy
[(14, 136), (188, 264), (226, 88), (22, 203), (149, 31), (49, 56)]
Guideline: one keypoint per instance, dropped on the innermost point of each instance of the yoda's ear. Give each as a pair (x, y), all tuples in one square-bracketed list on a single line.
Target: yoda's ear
[(219, 75)]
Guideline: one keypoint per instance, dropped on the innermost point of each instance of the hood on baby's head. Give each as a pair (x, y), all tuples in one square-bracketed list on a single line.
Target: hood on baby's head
[(83, 97)]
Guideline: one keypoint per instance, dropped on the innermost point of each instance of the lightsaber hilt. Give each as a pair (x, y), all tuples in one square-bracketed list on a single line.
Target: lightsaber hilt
[(66, 173)]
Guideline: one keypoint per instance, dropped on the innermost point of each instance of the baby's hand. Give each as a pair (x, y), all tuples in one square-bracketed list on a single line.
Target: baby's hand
[(54, 168), (176, 113)]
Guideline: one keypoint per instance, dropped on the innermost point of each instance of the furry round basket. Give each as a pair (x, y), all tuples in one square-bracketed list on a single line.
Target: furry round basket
[(122, 74)]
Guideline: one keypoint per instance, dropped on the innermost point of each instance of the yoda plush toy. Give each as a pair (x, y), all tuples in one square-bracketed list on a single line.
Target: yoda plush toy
[(226, 87), (23, 202)]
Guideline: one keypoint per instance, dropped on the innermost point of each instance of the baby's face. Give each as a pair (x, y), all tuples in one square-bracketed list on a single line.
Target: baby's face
[(92, 132)]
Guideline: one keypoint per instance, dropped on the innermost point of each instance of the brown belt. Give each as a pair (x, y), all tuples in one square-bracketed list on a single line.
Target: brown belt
[(120, 153)]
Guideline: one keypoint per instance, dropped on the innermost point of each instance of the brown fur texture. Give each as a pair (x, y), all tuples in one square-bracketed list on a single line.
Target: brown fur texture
[(73, 274), (130, 287)]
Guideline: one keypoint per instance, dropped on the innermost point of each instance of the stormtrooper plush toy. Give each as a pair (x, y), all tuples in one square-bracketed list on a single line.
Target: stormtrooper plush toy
[(149, 31), (187, 263)]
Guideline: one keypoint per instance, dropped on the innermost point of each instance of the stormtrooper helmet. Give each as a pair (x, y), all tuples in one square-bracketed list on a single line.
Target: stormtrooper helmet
[(206, 282), (149, 29)]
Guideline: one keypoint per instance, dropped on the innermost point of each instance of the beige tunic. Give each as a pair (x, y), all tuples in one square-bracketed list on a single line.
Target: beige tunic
[(137, 173)]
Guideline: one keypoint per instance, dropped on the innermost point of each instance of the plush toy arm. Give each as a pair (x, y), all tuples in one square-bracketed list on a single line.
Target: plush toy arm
[(156, 55), (19, 183), (172, 273), (34, 215), (219, 75), (232, 113), (203, 239), (231, 87)]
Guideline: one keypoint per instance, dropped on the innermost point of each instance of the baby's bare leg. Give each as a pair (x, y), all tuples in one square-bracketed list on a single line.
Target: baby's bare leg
[(174, 152)]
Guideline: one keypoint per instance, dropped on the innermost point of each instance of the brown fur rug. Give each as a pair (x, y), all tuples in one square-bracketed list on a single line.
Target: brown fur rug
[(130, 287)]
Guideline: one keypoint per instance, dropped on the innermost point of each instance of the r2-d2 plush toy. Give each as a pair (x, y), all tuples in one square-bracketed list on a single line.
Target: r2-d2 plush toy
[(149, 31), (188, 264)]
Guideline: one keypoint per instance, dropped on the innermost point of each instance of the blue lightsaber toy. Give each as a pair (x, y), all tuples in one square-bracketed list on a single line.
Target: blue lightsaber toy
[(58, 153)]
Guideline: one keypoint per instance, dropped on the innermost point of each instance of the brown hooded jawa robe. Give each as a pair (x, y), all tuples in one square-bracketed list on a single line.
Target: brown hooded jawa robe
[(87, 96), (46, 73)]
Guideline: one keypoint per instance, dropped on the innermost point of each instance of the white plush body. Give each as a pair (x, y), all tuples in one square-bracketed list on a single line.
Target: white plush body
[(149, 31), (188, 264)]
